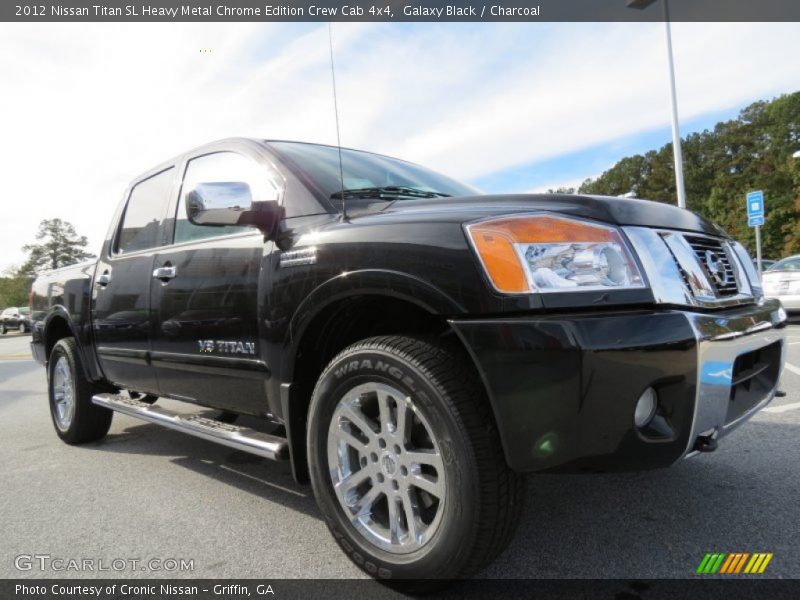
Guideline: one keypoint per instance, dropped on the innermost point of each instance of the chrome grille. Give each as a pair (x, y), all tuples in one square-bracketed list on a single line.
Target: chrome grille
[(716, 262), (681, 270), (674, 263)]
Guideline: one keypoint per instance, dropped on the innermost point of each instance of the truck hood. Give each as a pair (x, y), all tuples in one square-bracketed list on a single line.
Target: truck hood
[(616, 211)]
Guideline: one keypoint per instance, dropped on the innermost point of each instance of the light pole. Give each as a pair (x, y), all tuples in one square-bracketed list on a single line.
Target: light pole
[(676, 132)]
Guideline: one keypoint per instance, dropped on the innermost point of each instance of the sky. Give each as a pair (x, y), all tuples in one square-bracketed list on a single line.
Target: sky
[(85, 108)]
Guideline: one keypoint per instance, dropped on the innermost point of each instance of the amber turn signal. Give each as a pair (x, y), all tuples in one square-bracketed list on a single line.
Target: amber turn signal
[(546, 253)]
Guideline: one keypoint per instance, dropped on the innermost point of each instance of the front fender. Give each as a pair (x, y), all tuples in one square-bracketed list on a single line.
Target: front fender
[(374, 282), (367, 282)]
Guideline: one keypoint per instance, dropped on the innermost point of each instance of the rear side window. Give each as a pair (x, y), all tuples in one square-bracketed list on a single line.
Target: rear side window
[(141, 223)]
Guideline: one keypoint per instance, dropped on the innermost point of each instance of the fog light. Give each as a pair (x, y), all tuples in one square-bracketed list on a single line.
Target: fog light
[(645, 408)]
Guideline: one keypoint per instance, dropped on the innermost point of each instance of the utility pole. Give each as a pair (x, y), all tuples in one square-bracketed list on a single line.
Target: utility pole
[(676, 132)]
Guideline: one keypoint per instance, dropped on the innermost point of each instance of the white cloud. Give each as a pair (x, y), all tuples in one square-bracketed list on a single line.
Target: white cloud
[(84, 108), (600, 83)]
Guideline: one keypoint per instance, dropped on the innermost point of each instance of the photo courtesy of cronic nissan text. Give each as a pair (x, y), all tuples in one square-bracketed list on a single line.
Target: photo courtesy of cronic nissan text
[(397, 299)]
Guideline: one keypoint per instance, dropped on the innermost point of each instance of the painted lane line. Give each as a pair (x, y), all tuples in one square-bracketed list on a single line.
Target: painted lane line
[(783, 408), (792, 368)]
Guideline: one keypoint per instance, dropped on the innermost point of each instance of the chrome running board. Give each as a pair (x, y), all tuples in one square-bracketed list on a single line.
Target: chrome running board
[(233, 436)]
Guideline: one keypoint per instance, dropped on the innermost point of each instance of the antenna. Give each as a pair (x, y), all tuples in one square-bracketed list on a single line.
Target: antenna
[(336, 112)]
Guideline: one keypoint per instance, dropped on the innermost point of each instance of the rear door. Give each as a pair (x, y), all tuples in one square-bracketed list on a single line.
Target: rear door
[(206, 343), (121, 316)]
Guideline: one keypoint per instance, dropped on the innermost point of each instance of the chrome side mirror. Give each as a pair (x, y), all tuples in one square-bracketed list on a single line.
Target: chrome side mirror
[(222, 203), (218, 203)]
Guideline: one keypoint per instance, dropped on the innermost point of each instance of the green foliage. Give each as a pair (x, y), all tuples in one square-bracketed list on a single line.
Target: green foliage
[(59, 246), (14, 291), (752, 152)]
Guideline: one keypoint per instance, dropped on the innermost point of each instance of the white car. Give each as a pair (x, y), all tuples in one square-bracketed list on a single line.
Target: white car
[(782, 281)]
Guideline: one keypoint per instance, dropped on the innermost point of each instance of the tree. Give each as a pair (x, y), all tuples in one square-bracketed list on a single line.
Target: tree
[(14, 291), (59, 246), (752, 152)]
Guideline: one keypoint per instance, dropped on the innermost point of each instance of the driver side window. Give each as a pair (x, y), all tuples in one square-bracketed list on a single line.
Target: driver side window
[(221, 167)]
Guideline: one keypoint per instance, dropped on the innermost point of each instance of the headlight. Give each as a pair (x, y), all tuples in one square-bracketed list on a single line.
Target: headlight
[(545, 253)]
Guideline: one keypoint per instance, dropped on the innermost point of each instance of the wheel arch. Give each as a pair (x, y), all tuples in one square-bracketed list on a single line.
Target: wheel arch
[(58, 325), (341, 311), (391, 286)]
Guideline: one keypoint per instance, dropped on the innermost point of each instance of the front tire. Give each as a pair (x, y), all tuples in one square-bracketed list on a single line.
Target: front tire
[(406, 463), (3, 329), (22, 328), (75, 418)]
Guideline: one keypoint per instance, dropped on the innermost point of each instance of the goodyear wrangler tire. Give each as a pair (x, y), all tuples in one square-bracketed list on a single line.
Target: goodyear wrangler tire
[(406, 463), (75, 418)]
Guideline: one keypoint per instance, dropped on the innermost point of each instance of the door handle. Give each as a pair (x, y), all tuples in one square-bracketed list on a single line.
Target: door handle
[(165, 273), (104, 279)]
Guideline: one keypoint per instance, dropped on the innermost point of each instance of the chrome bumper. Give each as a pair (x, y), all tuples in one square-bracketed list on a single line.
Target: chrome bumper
[(721, 339)]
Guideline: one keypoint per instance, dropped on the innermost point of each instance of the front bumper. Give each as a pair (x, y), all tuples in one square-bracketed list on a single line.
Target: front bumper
[(563, 388)]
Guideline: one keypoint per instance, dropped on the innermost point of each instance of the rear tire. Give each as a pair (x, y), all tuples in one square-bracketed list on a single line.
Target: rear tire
[(443, 459), (22, 328), (75, 418), (3, 329)]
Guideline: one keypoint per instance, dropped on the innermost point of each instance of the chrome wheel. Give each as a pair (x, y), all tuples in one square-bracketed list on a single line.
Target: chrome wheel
[(63, 394), (386, 468)]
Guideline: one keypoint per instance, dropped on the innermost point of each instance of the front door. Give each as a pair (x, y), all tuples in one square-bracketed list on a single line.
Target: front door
[(121, 315), (205, 343)]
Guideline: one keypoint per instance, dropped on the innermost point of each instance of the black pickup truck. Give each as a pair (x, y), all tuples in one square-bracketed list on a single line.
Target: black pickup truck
[(411, 346)]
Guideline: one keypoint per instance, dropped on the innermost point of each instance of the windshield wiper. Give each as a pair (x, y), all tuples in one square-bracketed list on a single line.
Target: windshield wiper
[(389, 192)]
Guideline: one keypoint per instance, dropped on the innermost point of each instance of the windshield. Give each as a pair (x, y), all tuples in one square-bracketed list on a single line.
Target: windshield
[(368, 174), (787, 264), (24, 310)]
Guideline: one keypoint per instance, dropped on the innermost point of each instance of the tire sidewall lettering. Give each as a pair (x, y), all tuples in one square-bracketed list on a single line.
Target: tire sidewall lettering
[(379, 367)]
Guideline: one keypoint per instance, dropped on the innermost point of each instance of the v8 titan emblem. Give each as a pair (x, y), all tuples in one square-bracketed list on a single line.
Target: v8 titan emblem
[(716, 267), (227, 346)]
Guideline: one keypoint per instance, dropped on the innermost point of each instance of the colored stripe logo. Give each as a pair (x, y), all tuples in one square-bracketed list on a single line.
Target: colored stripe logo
[(734, 563)]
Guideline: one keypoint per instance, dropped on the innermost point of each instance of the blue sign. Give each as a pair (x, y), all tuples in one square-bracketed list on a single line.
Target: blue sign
[(755, 208)]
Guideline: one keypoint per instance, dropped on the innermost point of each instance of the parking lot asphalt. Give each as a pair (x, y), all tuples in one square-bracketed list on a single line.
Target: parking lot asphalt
[(147, 492)]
